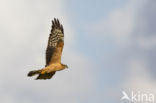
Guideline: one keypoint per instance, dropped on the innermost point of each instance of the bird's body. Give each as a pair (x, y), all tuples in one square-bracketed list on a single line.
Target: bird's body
[(53, 53), (53, 68)]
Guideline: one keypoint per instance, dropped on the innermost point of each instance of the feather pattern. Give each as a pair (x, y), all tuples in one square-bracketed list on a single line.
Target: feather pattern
[(57, 33)]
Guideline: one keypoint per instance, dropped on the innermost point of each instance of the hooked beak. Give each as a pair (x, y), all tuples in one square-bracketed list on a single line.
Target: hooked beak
[(66, 66)]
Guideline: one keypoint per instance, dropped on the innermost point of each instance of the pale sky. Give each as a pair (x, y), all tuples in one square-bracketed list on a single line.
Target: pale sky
[(109, 47)]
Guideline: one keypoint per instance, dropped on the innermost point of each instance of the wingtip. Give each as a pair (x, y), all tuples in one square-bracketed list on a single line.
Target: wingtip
[(56, 24)]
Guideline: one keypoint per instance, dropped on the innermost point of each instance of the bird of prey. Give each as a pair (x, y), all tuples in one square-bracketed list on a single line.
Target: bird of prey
[(53, 53)]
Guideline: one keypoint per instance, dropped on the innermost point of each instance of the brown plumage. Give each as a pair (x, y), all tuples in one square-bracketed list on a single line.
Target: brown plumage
[(53, 53)]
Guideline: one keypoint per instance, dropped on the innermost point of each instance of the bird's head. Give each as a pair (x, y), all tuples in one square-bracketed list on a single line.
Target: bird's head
[(65, 66)]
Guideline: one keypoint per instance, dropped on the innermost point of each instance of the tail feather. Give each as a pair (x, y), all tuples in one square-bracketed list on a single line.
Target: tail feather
[(34, 72)]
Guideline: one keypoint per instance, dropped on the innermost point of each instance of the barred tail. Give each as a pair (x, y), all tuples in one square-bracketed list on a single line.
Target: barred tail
[(34, 72)]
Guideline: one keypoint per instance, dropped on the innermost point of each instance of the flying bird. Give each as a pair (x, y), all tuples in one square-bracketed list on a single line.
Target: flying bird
[(53, 53)]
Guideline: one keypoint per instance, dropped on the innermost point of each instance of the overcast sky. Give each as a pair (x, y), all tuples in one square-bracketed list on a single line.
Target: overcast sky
[(109, 48)]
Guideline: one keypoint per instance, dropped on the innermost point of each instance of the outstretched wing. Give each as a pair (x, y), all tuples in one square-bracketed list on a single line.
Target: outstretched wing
[(55, 43)]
